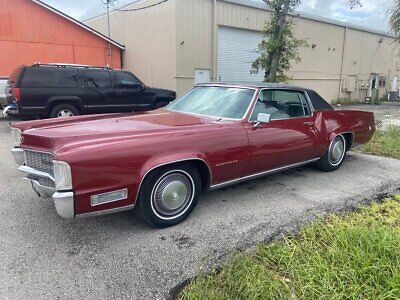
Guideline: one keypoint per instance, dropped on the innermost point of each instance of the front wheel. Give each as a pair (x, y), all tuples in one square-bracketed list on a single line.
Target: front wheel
[(335, 155), (169, 195)]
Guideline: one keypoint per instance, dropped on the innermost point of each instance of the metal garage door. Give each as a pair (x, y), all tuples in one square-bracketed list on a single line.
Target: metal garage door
[(236, 52)]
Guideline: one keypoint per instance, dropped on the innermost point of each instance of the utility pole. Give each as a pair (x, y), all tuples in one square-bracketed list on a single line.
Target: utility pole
[(107, 3)]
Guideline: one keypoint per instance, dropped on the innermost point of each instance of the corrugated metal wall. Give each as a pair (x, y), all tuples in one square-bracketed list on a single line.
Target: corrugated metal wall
[(31, 33), (150, 36), (194, 37)]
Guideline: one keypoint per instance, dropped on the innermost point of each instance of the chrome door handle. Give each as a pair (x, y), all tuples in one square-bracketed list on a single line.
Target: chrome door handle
[(308, 123)]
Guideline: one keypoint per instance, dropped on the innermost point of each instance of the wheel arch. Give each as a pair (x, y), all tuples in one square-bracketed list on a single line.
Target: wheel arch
[(57, 100), (348, 136), (199, 162)]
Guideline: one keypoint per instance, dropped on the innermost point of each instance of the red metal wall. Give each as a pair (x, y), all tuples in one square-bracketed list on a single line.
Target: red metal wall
[(31, 33)]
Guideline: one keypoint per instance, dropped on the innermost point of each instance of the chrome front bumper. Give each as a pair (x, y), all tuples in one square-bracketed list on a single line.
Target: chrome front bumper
[(18, 155), (63, 201)]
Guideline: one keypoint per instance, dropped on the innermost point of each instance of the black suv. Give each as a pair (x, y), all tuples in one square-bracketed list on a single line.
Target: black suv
[(55, 90)]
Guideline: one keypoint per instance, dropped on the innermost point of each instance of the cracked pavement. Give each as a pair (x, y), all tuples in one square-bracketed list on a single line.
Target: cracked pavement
[(117, 256)]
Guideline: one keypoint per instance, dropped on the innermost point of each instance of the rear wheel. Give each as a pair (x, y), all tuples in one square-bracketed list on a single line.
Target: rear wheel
[(63, 111), (169, 195), (335, 155)]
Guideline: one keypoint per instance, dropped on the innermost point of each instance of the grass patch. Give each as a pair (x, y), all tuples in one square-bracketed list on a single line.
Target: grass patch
[(356, 256), (345, 101), (384, 143)]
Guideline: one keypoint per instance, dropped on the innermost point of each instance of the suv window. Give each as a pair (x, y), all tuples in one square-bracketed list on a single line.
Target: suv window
[(49, 77), (98, 78), (126, 79), (281, 104)]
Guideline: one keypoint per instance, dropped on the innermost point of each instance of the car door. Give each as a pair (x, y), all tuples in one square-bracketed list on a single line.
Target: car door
[(100, 95), (288, 138), (130, 91)]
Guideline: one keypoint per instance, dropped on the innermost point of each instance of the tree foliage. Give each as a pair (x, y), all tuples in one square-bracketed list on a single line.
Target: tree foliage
[(279, 47), (394, 19)]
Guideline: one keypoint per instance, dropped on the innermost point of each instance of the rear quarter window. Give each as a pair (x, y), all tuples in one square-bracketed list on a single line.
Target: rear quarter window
[(50, 78), (318, 102)]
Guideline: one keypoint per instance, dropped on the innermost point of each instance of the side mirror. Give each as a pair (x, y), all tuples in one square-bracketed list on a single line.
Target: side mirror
[(262, 118)]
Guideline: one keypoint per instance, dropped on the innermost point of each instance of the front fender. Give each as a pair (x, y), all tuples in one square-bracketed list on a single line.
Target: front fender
[(162, 160)]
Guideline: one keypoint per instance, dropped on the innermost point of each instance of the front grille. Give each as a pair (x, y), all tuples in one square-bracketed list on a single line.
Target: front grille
[(40, 161)]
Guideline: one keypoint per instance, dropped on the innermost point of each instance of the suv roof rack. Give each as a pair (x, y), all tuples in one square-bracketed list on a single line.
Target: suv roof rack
[(62, 65)]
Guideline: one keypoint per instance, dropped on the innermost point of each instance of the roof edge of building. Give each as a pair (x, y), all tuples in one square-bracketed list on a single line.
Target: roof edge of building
[(296, 14), (313, 17), (79, 23)]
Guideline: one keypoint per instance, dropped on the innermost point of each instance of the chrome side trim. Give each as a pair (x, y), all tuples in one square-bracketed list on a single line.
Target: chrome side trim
[(18, 155), (261, 174), (31, 171), (106, 212), (169, 163)]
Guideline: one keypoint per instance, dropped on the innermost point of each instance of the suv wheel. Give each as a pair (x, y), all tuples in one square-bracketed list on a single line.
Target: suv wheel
[(63, 111), (169, 195)]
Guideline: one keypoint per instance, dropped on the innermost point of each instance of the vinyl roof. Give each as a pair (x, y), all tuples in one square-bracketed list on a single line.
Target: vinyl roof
[(73, 20)]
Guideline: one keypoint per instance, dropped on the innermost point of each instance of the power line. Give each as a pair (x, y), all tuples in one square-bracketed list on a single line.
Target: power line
[(141, 8)]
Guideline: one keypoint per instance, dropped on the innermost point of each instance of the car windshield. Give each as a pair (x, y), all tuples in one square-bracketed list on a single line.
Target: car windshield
[(215, 101)]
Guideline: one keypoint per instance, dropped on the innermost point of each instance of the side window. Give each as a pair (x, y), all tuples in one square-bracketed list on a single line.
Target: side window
[(98, 79), (50, 77), (281, 104), (126, 79)]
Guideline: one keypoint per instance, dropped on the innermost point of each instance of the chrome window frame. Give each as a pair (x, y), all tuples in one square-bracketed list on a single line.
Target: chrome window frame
[(308, 100), (255, 89)]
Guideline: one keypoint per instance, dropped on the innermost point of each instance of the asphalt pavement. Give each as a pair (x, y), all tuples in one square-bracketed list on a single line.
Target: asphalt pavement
[(117, 256)]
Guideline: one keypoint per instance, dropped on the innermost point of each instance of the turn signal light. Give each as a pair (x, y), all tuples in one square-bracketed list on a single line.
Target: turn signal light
[(109, 197)]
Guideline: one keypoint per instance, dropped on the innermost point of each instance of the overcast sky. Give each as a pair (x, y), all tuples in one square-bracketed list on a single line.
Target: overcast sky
[(372, 14)]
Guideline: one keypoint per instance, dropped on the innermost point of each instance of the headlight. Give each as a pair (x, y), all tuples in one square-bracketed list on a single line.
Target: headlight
[(16, 136), (62, 175)]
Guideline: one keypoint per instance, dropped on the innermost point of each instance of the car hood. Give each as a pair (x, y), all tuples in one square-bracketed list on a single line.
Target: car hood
[(60, 135), (161, 91)]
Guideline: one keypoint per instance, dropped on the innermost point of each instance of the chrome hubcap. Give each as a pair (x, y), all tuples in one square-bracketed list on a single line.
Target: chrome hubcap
[(336, 151), (172, 194), (65, 113)]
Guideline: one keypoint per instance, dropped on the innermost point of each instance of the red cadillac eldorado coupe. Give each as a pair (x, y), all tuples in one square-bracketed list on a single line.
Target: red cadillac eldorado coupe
[(161, 161)]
